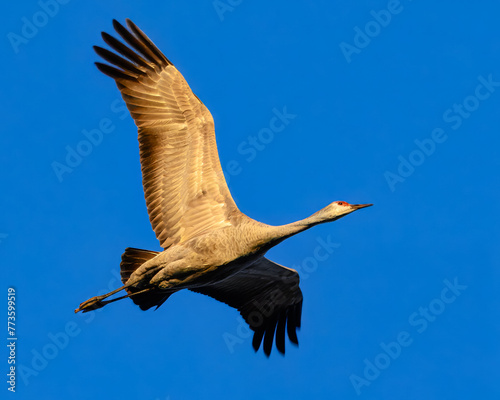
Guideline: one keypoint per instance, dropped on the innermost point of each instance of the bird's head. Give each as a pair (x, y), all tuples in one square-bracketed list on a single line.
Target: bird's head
[(336, 210)]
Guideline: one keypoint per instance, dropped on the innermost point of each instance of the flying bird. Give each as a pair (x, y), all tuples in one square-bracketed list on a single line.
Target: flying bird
[(209, 245)]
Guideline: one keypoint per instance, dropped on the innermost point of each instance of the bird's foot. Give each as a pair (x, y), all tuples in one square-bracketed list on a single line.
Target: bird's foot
[(91, 304)]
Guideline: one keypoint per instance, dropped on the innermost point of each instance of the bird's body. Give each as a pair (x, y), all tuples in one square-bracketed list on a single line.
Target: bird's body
[(205, 259), (210, 247)]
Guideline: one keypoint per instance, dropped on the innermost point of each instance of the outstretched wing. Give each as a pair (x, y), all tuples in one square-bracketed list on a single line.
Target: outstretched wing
[(268, 297), (186, 193)]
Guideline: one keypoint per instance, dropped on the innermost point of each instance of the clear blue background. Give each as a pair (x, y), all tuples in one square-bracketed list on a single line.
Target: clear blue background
[(61, 242)]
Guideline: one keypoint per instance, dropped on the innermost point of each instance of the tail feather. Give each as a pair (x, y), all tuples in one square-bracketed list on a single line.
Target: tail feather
[(131, 260)]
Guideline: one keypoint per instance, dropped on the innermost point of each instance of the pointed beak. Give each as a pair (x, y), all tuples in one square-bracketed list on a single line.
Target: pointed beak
[(358, 206)]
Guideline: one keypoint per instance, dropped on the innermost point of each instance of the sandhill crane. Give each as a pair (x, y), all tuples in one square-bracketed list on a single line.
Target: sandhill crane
[(210, 247)]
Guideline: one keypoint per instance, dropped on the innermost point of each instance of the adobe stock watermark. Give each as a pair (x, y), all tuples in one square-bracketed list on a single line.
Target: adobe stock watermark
[(253, 144), (93, 138), (57, 342), (364, 36), (454, 117), (419, 321), (31, 26), (324, 249), (224, 6)]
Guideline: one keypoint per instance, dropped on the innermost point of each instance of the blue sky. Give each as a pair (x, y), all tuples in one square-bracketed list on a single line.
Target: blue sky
[(393, 103)]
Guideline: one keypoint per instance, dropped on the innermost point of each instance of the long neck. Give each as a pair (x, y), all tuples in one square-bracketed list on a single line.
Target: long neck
[(279, 233)]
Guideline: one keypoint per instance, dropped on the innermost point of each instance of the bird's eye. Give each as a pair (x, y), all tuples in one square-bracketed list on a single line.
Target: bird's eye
[(340, 203)]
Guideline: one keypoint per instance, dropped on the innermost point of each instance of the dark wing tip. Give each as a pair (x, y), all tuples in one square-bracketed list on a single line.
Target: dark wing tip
[(118, 61), (131, 25), (269, 336), (276, 327), (117, 25), (294, 320), (140, 55), (148, 45), (114, 73), (257, 338), (280, 333), (136, 43)]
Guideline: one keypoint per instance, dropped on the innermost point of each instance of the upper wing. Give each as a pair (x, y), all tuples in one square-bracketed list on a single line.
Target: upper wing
[(269, 299), (186, 193)]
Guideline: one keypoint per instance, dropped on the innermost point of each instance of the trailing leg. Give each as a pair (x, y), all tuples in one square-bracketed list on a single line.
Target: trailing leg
[(97, 301)]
